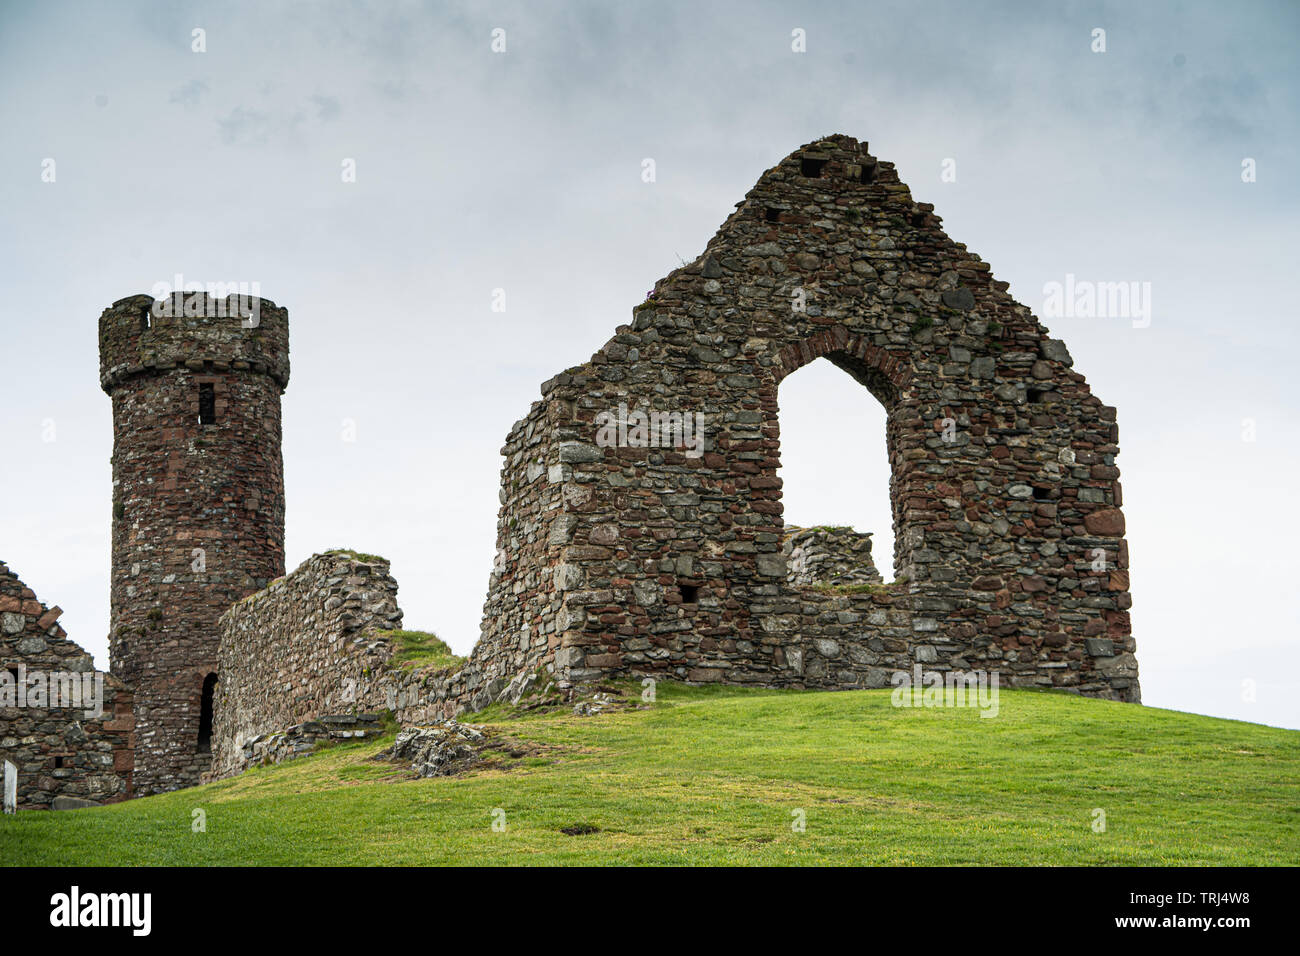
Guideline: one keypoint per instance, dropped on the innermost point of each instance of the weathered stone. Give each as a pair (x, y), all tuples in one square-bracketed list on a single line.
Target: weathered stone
[(62, 802), (959, 299), (438, 751), (1108, 522), (1055, 350)]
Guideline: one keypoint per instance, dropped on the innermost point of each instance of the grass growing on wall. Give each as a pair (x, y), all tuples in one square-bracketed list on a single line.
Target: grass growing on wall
[(358, 555), (415, 649), (719, 775)]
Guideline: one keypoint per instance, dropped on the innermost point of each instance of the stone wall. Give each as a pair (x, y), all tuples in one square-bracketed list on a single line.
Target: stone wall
[(302, 647), (828, 556), (639, 557), (308, 658), (524, 602), (198, 503), (855, 639), (308, 737), (60, 752)]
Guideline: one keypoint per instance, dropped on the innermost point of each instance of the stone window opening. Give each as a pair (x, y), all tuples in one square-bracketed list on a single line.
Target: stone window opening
[(772, 215), (207, 404), (1034, 395), (58, 762), (835, 475), (812, 168), (1042, 493), (690, 593), (205, 714), (146, 319)]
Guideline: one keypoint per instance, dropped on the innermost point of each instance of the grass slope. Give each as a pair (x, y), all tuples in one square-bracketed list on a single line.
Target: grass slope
[(712, 775)]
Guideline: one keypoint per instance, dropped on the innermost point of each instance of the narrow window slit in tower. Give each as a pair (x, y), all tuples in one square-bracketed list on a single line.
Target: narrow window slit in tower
[(146, 320), (207, 404), (58, 763)]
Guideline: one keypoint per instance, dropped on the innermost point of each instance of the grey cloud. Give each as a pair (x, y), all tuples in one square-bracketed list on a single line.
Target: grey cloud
[(327, 107), (190, 94)]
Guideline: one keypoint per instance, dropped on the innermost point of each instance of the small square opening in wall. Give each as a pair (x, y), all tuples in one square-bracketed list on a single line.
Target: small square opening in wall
[(812, 168), (690, 593), (58, 763), (1034, 395), (772, 215), (1042, 493)]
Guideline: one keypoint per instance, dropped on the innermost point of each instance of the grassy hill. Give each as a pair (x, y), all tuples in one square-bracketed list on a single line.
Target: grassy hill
[(715, 775)]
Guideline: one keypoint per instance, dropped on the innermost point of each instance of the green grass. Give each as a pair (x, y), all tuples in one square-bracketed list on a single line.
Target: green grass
[(358, 555), (412, 649), (714, 775)]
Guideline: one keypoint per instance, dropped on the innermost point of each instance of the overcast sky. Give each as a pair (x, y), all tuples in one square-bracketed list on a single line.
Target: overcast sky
[(521, 170)]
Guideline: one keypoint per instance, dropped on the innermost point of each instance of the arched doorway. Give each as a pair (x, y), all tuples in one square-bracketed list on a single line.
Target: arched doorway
[(834, 463), (205, 714)]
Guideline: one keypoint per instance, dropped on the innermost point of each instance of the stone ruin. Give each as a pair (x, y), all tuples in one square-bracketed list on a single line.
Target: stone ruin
[(828, 557), (641, 529), (65, 728), (655, 547)]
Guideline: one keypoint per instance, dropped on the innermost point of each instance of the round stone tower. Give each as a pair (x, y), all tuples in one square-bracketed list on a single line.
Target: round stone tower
[(198, 503)]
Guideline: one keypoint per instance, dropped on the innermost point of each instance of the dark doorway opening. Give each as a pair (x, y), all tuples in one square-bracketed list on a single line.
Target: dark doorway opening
[(205, 714)]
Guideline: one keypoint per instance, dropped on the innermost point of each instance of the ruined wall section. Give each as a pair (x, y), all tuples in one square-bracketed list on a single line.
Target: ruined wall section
[(1009, 534), (198, 506), (303, 647), (524, 615), (60, 752), (833, 557), (309, 658)]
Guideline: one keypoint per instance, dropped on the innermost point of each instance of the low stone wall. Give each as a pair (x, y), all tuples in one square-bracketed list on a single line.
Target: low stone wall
[(302, 647), (308, 736), (860, 636), (854, 639), (834, 556), (309, 650), (62, 754)]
